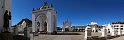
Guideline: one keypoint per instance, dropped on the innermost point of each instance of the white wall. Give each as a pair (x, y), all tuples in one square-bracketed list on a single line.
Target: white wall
[(1, 15), (8, 6)]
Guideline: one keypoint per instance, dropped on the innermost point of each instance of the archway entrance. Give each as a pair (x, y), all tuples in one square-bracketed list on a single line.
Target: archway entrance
[(66, 26), (66, 29), (44, 27), (46, 18), (38, 26), (41, 23)]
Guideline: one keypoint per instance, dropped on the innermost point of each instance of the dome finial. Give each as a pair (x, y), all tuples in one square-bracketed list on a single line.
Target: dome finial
[(45, 4), (33, 9), (51, 5)]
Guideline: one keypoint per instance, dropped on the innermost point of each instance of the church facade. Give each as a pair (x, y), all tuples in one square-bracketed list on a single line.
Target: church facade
[(44, 19), (5, 5)]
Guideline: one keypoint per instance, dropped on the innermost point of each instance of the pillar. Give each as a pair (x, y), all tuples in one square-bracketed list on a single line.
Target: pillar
[(123, 30), (104, 32), (119, 30), (113, 32), (33, 23), (63, 28), (70, 28), (10, 28), (40, 29), (1, 15), (49, 22), (88, 31)]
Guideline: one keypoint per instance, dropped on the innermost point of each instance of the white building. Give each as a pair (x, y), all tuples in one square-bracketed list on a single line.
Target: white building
[(116, 27), (44, 19), (108, 27), (119, 26), (95, 27), (67, 26), (4, 5)]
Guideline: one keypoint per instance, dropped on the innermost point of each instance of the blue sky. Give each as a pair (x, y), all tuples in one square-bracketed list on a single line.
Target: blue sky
[(79, 12)]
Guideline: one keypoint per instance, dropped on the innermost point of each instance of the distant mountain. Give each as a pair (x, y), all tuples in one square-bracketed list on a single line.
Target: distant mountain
[(28, 22)]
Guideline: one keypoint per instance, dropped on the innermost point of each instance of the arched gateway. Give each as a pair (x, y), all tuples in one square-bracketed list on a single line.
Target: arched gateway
[(66, 26), (44, 19)]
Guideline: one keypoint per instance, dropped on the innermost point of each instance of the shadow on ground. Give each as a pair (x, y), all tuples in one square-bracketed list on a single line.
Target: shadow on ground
[(61, 33), (19, 37)]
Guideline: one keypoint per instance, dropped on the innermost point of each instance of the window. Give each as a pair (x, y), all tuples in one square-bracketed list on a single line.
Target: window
[(117, 25), (121, 26)]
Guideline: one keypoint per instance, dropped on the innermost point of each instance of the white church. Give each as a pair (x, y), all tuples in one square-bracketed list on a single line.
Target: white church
[(5, 5), (44, 19)]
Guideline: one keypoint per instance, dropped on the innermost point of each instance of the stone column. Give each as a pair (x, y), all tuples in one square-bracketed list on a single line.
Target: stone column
[(10, 29), (123, 30), (33, 23), (119, 30), (63, 28), (88, 31), (104, 32), (70, 28), (1, 15), (40, 29), (116, 31), (49, 22), (113, 32)]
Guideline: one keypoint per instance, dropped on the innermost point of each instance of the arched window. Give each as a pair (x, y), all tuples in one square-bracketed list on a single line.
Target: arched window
[(38, 24)]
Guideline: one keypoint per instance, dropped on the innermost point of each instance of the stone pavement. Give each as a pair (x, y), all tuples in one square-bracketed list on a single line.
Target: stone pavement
[(68, 37), (58, 37), (119, 38)]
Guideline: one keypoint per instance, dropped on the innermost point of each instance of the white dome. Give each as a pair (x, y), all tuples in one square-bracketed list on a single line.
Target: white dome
[(93, 23)]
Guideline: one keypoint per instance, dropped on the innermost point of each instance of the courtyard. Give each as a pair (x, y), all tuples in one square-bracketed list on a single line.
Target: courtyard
[(69, 37)]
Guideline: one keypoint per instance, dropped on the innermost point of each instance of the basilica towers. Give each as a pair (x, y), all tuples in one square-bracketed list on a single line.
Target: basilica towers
[(44, 19)]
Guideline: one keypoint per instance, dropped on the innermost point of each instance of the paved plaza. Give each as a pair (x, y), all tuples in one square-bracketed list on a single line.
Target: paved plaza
[(58, 37), (68, 37), (61, 37)]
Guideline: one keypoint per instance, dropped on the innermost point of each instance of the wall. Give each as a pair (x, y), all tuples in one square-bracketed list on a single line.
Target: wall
[(1, 15), (7, 6)]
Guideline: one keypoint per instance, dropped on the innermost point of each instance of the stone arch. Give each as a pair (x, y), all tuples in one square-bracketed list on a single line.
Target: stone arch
[(66, 26), (45, 26), (42, 23), (38, 23), (48, 15)]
